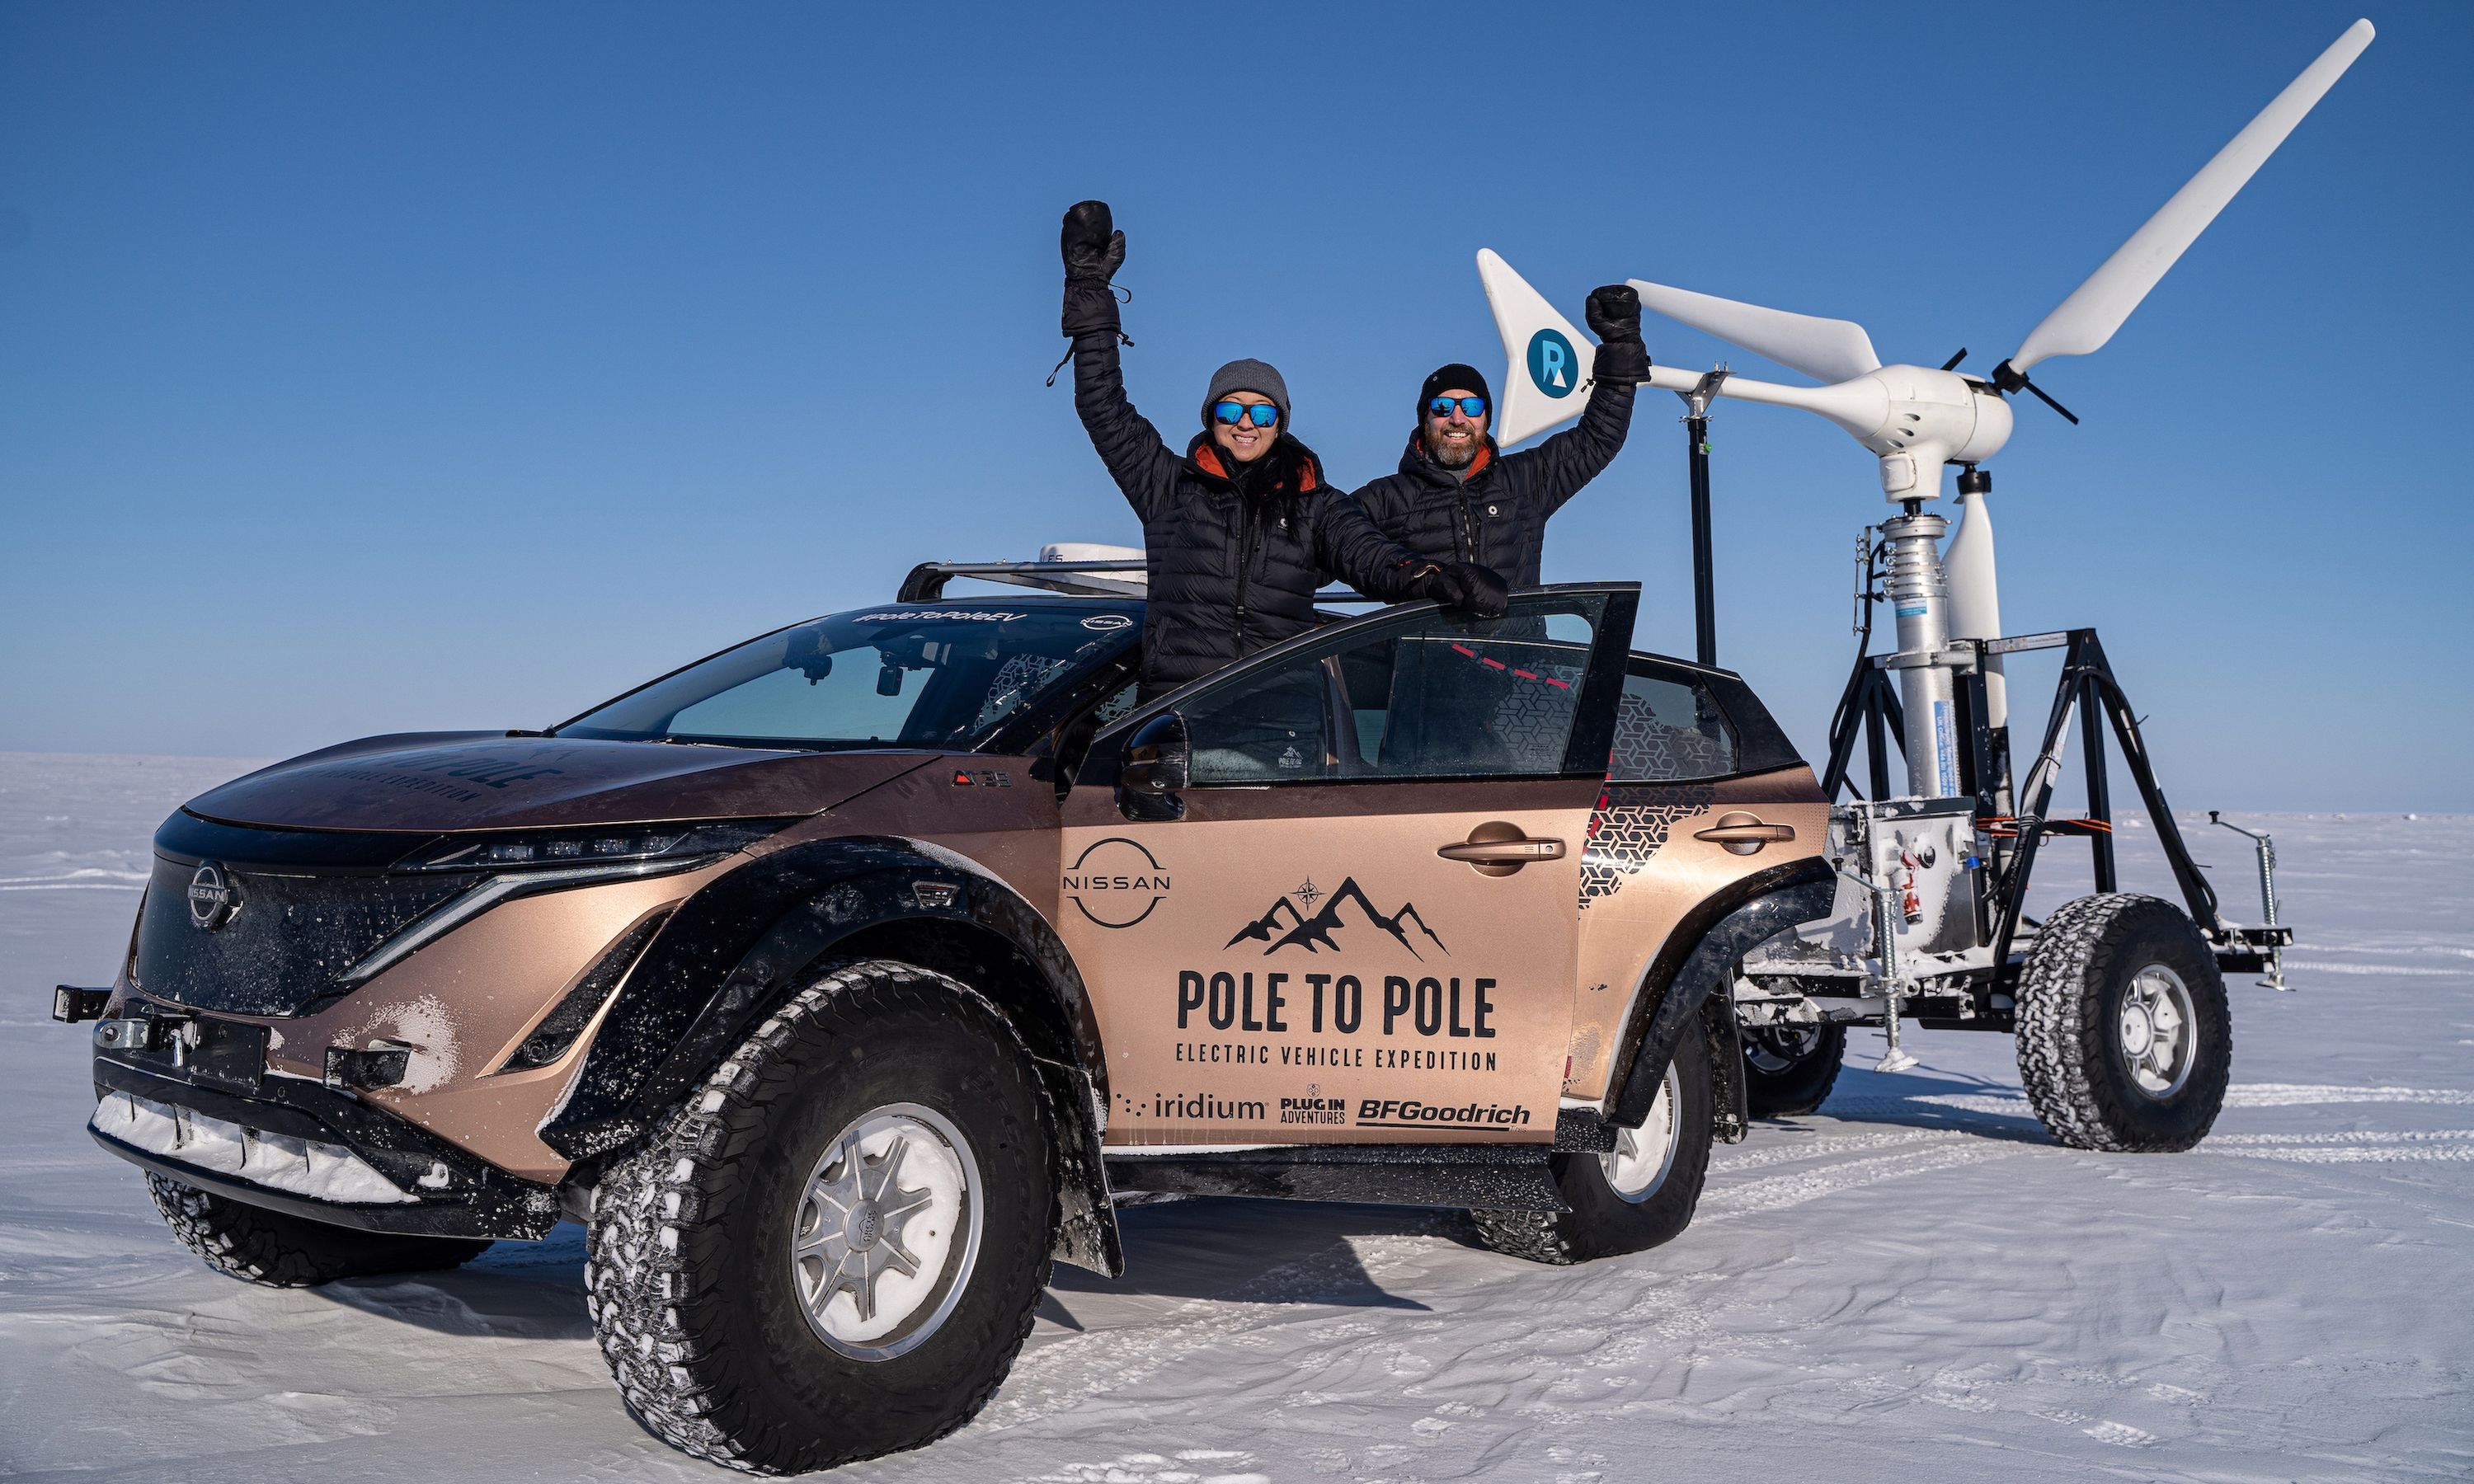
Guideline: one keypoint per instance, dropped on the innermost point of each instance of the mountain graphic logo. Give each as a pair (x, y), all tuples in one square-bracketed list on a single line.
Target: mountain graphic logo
[(1285, 926)]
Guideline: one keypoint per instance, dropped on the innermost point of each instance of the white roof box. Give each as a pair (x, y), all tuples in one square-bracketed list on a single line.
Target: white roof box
[(1096, 551)]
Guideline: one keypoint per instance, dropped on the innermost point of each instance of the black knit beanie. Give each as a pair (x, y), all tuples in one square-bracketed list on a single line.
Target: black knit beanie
[(1446, 377)]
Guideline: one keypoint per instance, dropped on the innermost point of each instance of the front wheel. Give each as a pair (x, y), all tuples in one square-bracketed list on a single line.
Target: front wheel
[(835, 1250), (278, 1250), (2124, 1038), (1634, 1199)]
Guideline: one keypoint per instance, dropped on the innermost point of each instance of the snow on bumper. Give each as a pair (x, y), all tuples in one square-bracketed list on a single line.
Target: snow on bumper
[(278, 1162)]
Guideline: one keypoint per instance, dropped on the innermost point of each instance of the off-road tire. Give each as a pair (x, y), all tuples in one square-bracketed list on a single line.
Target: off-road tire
[(280, 1250), (687, 1278), (2070, 993), (1601, 1223), (1802, 1085)]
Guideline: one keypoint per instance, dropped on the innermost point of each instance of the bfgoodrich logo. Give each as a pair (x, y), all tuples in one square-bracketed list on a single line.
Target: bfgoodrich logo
[(1115, 883)]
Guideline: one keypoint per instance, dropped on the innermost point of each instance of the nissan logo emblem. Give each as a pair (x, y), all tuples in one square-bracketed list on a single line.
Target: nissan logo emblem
[(213, 897)]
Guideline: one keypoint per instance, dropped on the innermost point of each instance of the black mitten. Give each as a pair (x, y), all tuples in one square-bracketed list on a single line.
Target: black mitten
[(1613, 313), (1467, 587), (1093, 250)]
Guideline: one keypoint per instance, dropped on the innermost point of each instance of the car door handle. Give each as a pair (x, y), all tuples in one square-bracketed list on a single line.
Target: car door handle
[(1497, 848), (1743, 834)]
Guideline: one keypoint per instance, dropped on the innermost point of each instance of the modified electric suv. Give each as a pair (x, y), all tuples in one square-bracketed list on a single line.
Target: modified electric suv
[(838, 982)]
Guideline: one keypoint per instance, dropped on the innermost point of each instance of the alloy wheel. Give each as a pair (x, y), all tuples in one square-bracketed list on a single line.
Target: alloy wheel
[(886, 1232)]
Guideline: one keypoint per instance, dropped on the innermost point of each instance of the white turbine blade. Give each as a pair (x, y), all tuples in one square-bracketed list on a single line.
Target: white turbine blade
[(1824, 349), (1548, 361), (2084, 322)]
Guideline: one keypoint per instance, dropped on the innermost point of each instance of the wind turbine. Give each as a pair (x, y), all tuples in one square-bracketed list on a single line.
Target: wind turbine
[(1916, 421)]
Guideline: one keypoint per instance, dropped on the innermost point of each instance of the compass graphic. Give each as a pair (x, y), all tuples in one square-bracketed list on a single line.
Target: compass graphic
[(1306, 893)]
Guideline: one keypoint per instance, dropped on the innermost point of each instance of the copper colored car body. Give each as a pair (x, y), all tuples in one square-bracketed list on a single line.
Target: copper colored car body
[(1402, 910)]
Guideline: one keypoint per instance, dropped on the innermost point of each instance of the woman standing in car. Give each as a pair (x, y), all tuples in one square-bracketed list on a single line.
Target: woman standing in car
[(1238, 528)]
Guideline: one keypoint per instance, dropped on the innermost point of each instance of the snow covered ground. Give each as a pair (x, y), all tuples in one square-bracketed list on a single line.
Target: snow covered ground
[(1916, 1285)]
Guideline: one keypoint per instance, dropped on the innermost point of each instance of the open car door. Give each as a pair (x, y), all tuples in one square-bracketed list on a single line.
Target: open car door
[(1335, 897)]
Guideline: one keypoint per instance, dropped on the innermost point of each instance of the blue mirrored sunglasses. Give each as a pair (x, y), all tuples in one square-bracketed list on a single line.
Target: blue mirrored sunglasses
[(1261, 414), (1471, 407)]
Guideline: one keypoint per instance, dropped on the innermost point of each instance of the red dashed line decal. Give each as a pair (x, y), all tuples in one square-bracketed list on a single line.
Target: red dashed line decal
[(1559, 685)]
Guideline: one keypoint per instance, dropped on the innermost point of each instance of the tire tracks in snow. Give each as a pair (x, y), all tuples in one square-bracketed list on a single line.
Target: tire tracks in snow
[(1062, 1375), (1780, 1192)]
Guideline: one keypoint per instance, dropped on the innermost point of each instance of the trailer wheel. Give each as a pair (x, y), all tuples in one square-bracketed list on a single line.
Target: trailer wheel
[(1634, 1199), (834, 1251), (1789, 1069), (2124, 1040), (278, 1250)]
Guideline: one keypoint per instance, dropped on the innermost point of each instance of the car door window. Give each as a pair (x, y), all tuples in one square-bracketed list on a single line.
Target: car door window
[(1431, 695), (1669, 728)]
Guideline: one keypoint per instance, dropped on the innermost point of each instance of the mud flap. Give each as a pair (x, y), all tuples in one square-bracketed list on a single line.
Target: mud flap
[(1087, 1223), (1729, 1099)]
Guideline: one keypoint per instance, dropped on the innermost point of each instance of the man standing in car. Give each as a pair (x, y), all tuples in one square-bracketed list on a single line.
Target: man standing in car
[(1456, 497), (1238, 529)]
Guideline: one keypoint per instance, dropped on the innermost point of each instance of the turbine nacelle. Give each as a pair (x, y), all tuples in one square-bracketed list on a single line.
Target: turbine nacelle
[(1913, 418)]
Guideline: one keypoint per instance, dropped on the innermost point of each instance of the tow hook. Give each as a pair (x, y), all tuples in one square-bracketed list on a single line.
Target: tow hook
[(179, 1035)]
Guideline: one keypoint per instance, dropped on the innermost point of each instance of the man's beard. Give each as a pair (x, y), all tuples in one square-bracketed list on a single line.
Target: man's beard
[(1452, 455)]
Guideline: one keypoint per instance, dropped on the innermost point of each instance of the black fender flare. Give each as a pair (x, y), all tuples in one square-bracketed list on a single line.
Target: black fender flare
[(1690, 981), (751, 938)]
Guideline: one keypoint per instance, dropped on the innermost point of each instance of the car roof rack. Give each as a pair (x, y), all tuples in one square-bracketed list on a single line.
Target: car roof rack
[(1077, 578), (927, 581)]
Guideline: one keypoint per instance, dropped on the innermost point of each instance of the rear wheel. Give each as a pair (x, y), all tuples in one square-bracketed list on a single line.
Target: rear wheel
[(1789, 1069), (835, 1250), (282, 1251), (2124, 1038), (1634, 1199)]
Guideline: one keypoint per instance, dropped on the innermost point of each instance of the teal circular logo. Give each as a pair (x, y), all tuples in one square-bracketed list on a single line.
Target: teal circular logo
[(1553, 368)]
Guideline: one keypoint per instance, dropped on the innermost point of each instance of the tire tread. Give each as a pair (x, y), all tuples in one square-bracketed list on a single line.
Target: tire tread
[(2060, 1051), (644, 1283), (277, 1249)]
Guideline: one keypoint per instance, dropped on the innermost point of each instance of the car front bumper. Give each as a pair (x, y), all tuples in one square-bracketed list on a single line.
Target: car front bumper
[(299, 1146)]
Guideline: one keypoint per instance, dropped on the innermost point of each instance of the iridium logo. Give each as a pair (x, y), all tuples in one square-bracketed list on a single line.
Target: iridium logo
[(1553, 368)]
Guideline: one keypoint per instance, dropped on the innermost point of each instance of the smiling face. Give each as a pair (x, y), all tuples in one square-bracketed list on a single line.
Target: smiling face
[(1242, 440), (1453, 438)]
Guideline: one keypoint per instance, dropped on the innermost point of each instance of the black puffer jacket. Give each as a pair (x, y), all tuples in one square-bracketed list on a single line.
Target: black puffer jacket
[(1233, 561), (1497, 515)]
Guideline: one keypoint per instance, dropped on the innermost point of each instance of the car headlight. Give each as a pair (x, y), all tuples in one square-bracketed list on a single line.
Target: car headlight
[(534, 861), (608, 844)]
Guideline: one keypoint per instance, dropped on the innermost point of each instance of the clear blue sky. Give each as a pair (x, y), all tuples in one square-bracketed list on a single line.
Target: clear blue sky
[(366, 368)]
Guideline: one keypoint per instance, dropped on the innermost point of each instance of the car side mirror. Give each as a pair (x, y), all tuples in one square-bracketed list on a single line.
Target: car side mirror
[(1157, 766)]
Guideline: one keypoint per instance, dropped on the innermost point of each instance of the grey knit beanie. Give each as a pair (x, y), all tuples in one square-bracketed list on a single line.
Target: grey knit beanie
[(1256, 376)]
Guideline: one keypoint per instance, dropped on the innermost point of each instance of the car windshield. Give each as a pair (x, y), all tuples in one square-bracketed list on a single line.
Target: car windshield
[(904, 675)]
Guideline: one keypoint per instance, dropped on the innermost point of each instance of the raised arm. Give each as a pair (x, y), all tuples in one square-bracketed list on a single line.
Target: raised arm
[(1570, 459), (1137, 458)]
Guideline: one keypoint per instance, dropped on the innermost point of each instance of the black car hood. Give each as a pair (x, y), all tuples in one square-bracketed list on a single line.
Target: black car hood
[(451, 781)]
